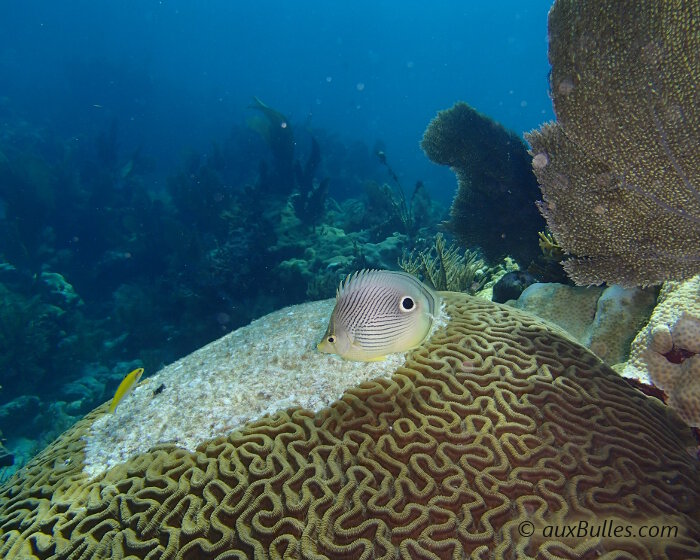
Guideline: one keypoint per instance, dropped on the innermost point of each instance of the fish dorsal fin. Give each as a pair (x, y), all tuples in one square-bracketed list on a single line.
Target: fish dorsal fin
[(353, 281), (362, 278)]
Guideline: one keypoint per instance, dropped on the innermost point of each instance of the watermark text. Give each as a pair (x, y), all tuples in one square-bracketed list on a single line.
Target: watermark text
[(600, 529)]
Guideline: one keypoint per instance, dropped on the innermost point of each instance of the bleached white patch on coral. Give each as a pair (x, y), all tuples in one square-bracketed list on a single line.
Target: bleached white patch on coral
[(440, 320), (270, 365)]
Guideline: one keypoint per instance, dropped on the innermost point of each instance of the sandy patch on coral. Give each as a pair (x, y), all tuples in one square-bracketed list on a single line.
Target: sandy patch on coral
[(269, 365)]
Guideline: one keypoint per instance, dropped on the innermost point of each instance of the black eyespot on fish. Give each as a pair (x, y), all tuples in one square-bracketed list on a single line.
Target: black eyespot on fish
[(407, 304), (159, 389)]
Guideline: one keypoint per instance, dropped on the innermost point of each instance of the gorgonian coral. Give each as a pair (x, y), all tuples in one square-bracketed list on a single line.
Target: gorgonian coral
[(620, 169)]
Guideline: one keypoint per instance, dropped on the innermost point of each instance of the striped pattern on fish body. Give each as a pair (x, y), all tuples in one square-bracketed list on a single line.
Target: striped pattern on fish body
[(379, 312)]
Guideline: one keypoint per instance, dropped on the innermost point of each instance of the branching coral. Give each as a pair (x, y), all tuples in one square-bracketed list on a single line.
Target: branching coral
[(620, 170), (446, 269), (495, 203)]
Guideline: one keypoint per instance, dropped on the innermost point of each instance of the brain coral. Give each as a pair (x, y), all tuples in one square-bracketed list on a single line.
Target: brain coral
[(496, 422)]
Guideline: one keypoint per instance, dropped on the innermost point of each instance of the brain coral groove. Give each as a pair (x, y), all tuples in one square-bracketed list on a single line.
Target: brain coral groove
[(497, 420)]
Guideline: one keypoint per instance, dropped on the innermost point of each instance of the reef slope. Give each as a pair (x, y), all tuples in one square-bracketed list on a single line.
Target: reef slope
[(496, 422)]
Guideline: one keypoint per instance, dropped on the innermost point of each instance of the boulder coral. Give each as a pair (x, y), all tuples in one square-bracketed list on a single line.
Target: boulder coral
[(603, 320), (620, 169), (496, 425), (667, 351)]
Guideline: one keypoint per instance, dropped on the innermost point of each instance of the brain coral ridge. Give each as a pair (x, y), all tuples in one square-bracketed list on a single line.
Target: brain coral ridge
[(496, 421)]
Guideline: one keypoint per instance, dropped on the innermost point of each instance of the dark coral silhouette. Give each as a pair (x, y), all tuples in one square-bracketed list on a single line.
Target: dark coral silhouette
[(495, 203)]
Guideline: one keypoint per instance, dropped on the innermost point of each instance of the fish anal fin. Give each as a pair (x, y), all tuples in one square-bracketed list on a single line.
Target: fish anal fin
[(376, 359)]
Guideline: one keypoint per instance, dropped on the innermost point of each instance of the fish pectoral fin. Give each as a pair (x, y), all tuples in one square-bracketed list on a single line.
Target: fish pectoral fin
[(360, 354)]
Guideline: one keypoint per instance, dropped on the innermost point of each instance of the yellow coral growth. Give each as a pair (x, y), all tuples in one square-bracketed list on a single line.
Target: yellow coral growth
[(496, 421), (551, 250)]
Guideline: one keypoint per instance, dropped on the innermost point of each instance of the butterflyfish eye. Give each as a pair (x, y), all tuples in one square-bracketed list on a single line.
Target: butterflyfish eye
[(407, 303), (331, 339)]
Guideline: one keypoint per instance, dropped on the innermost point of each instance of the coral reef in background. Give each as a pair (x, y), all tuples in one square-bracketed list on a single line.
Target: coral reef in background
[(278, 132), (604, 320), (309, 200), (104, 257), (667, 350), (7, 459), (288, 176), (620, 169), (498, 420), (384, 211), (494, 208), (413, 213), (42, 330), (328, 255)]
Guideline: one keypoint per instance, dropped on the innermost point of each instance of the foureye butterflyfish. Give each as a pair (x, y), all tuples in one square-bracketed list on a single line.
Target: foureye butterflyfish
[(379, 312)]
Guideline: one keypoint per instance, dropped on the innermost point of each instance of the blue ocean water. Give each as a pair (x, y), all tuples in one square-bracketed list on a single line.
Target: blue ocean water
[(177, 75), (132, 230)]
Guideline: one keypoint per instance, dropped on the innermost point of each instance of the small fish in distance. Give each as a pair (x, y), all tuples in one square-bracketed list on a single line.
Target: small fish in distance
[(125, 387)]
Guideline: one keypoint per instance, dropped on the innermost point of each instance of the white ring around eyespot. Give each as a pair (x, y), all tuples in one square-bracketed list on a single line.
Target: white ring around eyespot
[(403, 309)]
